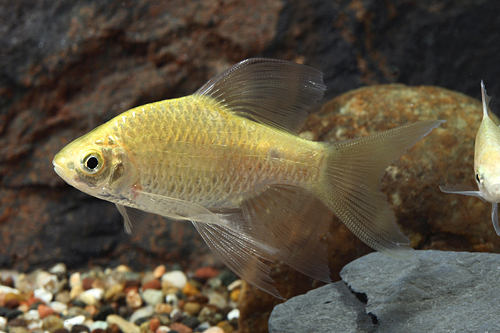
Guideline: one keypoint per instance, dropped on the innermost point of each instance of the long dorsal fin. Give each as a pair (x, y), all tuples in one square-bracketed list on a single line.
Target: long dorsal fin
[(273, 92)]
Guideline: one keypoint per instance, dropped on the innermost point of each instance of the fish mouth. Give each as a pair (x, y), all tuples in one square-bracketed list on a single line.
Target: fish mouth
[(60, 167)]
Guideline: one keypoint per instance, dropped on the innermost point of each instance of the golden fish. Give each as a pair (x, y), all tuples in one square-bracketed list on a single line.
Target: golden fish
[(228, 159), (486, 163)]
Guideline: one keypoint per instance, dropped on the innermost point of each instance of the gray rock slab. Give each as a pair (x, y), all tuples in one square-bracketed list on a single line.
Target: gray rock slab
[(433, 291), (331, 308)]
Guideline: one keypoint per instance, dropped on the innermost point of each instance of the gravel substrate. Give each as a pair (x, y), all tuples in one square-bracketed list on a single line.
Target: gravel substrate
[(119, 300)]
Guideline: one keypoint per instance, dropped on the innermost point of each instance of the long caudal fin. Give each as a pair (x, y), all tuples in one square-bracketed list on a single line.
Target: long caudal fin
[(351, 184)]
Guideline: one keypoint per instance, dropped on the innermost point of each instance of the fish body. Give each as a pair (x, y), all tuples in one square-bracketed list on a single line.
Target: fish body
[(228, 159), (486, 163)]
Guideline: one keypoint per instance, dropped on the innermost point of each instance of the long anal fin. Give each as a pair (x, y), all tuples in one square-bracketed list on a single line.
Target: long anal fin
[(292, 220), (242, 254)]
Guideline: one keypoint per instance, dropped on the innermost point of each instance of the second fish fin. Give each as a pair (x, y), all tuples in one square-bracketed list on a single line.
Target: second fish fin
[(293, 221)]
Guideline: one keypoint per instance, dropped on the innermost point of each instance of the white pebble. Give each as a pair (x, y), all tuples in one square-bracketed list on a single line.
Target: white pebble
[(3, 323), (92, 296), (176, 278), (34, 326), (163, 329), (69, 323), (31, 315), (217, 300), (48, 281), (233, 314), (43, 294), (145, 311), (58, 307), (59, 268), (6, 290), (99, 325), (234, 285), (172, 299), (152, 297), (75, 280)]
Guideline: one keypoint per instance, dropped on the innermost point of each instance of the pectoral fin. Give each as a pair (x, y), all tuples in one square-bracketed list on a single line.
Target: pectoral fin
[(462, 190), (173, 208)]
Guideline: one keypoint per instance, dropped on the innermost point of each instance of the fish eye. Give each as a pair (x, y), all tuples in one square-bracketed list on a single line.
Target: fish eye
[(479, 179), (92, 163)]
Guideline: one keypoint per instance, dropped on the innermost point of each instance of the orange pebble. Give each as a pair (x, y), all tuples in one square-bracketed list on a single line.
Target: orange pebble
[(190, 290), (235, 295), (45, 311), (205, 273), (34, 300), (154, 323)]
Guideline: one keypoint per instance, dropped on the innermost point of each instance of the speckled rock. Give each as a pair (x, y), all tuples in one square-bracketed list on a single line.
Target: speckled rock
[(411, 183)]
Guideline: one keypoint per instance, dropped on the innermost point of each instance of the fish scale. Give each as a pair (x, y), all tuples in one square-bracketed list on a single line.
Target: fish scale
[(200, 162)]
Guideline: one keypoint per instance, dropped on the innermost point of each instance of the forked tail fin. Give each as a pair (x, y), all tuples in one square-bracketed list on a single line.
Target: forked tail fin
[(351, 184)]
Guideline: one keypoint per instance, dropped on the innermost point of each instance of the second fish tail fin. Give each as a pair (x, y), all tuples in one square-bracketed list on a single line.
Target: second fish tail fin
[(350, 185)]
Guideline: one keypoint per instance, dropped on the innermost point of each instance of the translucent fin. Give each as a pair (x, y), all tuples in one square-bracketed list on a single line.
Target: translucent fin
[(270, 91), (240, 253), (485, 98), (494, 217), (352, 181), (225, 233), (462, 189), (135, 219), (174, 208), (293, 221)]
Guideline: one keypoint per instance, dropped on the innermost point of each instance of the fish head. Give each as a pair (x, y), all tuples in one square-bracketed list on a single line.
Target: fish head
[(488, 181), (97, 165)]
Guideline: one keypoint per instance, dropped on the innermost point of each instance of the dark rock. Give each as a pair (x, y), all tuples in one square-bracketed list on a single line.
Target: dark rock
[(433, 291), (190, 321), (79, 329), (331, 308), (3, 311), (11, 314), (142, 320), (18, 322), (103, 313)]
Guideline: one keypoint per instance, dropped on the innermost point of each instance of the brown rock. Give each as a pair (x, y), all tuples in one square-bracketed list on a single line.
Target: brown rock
[(181, 328), (154, 323), (153, 284), (411, 183), (192, 308), (205, 273), (163, 308)]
